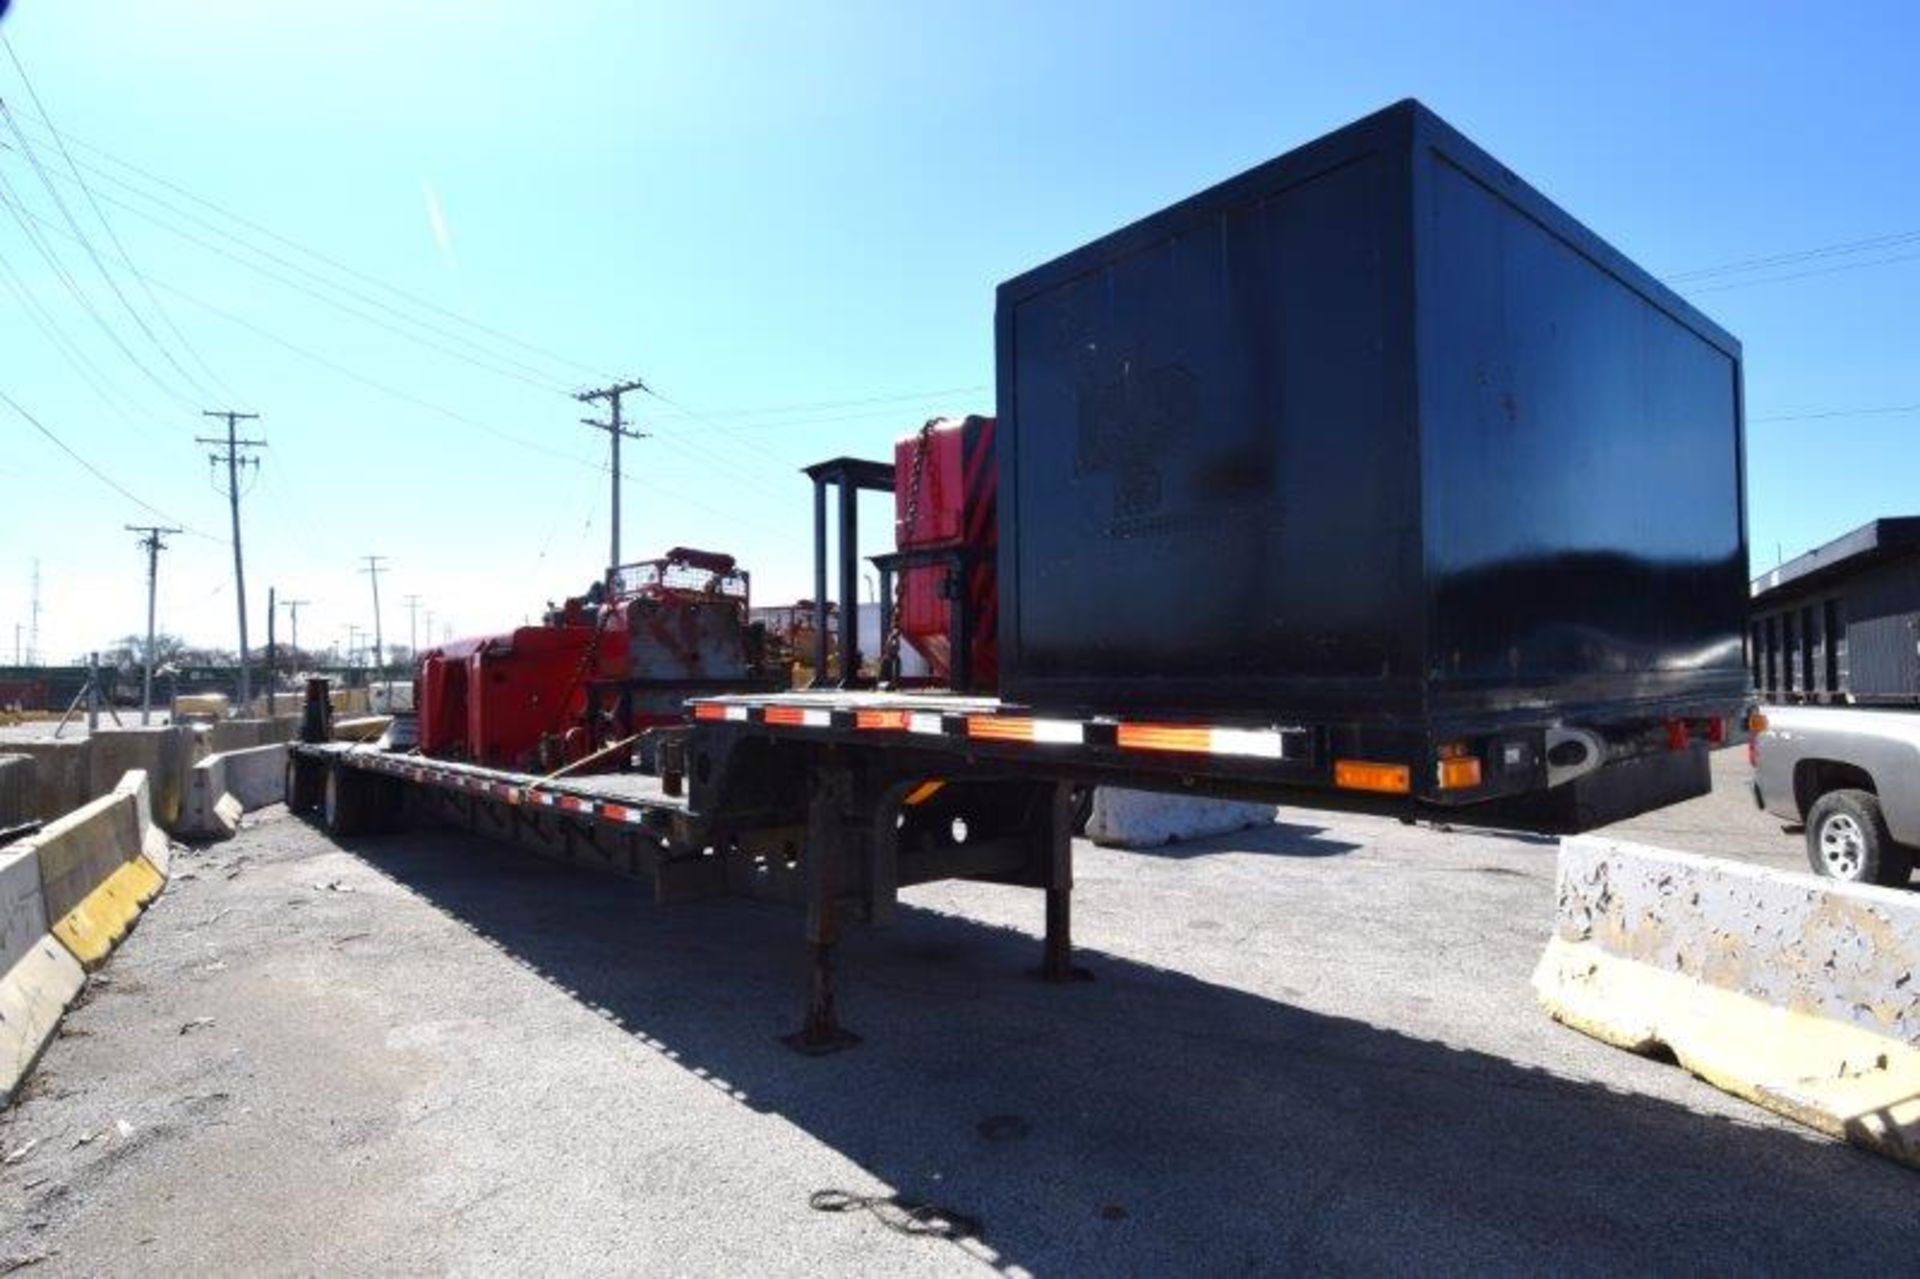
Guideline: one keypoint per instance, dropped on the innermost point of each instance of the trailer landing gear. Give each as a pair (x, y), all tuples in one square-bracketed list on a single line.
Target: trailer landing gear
[(1019, 833)]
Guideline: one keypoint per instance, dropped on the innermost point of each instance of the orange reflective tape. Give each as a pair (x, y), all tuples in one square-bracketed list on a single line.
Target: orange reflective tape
[(895, 721), (785, 715), (999, 728), (923, 792), (1164, 737), (709, 712)]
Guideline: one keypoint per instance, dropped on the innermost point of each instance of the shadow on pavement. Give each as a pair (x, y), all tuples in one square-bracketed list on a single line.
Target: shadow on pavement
[(1280, 839), (1149, 1121)]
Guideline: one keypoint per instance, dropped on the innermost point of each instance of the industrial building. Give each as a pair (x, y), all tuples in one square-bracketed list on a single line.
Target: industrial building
[(1841, 624)]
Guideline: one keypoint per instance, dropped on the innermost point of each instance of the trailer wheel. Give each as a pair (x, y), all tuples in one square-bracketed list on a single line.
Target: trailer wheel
[(302, 794), (342, 802), (1847, 839)]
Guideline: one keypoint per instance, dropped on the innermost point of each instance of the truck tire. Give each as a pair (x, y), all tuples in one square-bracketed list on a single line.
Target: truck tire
[(302, 795), (1847, 839), (343, 802)]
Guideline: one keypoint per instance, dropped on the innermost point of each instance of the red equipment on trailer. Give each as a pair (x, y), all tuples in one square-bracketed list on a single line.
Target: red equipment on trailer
[(603, 667)]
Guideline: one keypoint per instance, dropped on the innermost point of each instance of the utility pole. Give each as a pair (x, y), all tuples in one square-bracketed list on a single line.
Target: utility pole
[(233, 455), (33, 631), (429, 627), (372, 570), (293, 625), (154, 545), (413, 628), (615, 428)]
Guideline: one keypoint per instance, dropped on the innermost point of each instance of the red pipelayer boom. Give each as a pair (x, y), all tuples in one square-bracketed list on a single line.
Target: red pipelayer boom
[(618, 660)]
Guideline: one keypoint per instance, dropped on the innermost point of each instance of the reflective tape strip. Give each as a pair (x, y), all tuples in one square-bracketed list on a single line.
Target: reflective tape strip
[(709, 712), (738, 714), (1195, 739), (894, 721), (799, 716), (575, 805), (925, 723), (1008, 728)]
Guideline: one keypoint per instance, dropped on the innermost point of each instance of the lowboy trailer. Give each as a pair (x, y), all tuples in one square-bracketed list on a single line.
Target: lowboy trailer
[(1368, 479)]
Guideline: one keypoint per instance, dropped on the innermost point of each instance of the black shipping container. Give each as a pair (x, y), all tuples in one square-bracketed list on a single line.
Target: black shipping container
[(1372, 433)]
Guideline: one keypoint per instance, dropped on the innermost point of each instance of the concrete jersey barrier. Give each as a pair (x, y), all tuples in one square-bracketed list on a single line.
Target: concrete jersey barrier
[(1797, 993), (225, 786), (1123, 818), (164, 752), (38, 976), (62, 775), (95, 875), (17, 778)]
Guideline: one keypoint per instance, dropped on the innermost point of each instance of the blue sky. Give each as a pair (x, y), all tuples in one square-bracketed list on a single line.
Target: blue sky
[(764, 207)]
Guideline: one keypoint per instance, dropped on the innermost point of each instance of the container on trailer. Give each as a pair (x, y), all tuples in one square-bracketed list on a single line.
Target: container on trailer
[(1372, 433), (951, 508)]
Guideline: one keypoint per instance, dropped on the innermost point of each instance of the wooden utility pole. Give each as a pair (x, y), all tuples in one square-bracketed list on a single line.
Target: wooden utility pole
[(374, 564), (293, 626), (413, 628), (232, 453), (154, 545), (616, 429)]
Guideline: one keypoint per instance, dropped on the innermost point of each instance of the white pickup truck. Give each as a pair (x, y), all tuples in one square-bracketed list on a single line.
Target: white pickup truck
[(1853, 776)]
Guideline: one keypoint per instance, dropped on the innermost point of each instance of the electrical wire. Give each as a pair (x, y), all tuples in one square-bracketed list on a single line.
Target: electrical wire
[(1796, 256), (97, 473), (366, 278), (119, 247), (113, 286), (1803, 275), (1886, 411)]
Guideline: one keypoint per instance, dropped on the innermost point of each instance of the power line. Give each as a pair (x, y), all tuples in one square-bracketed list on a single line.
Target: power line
[(95, 379), (112, 235), (214, 205), (1887, 411), (90, 468), (1803, 275), (1795, 256), (100, 265)]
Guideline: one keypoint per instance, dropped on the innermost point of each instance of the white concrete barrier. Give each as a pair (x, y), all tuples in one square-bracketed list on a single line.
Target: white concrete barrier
[(62, 774), (164, 752), (16, 789), (225, 786), (38, 977), (1146, 819), (1800, 994)]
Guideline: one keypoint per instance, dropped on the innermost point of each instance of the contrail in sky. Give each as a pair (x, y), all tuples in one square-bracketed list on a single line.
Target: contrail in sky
[(437, 222)]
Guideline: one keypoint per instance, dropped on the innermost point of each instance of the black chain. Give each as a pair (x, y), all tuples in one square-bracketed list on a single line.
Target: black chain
[(890, 646)]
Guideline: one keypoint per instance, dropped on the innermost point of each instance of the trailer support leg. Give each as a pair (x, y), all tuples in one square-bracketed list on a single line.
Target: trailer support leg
[(1056, 850), (827, 834)]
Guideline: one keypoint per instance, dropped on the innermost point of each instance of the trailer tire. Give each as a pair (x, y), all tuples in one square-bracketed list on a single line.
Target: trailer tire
[(1847, 839), (302, 795), (343, 802)]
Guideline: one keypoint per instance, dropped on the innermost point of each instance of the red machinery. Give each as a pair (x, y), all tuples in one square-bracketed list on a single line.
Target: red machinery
[(945, 529), (604, 666)]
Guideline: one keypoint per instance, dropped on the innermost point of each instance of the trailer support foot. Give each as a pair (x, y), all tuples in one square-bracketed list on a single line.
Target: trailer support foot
[(1055, 838), (821, 1032), (828, 832)]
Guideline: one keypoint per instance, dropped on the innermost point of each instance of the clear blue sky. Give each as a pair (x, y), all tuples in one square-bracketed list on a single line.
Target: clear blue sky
[(761, 206)]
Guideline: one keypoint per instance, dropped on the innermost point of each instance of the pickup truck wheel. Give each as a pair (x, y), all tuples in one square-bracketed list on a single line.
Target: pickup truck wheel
[(1847, 839)]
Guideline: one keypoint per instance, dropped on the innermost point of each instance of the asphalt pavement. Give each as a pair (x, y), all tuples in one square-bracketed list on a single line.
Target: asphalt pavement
[(1308, 1047)]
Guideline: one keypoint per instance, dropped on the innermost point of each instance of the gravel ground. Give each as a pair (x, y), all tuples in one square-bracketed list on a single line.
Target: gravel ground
[(1310, 1047)]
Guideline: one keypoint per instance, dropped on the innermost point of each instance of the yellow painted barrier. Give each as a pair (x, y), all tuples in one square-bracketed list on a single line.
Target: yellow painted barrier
[(95, 875)]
